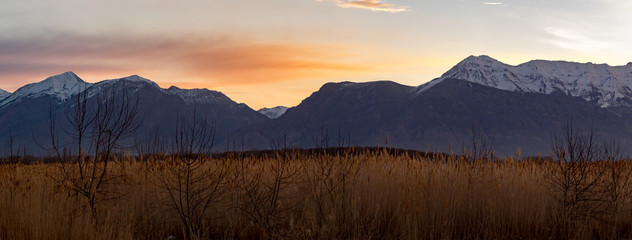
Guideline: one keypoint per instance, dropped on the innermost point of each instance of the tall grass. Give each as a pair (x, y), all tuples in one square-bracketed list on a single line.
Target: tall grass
[(374, 195)]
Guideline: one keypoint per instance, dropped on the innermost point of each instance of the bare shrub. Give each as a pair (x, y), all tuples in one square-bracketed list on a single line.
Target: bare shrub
[(96, 130), (192, 180), (576, 178), (327, 181), (264, 191), (616, 192)]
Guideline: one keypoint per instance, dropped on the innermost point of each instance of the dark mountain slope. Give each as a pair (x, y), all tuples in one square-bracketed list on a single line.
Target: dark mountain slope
[(509, 120), (27, 118), (431, 120), (360, 111)]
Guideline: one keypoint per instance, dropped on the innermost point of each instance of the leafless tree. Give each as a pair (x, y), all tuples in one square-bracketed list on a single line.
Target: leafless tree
[(263, 194), (618, 175), (327, 182), (193, 181), (96, 129), (575, 180), (193, 135), (263, 190), (616, 179)]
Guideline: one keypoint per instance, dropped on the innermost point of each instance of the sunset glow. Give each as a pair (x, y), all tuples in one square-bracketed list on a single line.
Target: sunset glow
[(372, 5), (269, 53)]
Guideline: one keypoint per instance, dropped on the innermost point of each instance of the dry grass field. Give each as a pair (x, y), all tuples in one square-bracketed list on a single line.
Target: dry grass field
[(372, 195)]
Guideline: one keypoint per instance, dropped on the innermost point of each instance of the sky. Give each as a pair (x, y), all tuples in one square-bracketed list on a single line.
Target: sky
[(277, 52)]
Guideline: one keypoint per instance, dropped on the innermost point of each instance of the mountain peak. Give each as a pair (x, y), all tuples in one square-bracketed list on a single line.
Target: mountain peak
[(60, 87), (200, 96), (335, 86), (64, 78), (474, 67), (133, 81), (274, 112), (136, 78), (481, 59)]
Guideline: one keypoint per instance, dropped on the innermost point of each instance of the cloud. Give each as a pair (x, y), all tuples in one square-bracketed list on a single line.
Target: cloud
[(265, 73), (209, 61), (252, 63), (576, 41), (492, 3), (373, 5)]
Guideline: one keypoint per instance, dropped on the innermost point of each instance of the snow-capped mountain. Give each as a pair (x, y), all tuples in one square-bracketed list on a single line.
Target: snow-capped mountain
[(4, 94), (598, 83), (199, 96), (274, 112), (516, 107), (60, 87), (131, 84), (135, 79), (27, 112)]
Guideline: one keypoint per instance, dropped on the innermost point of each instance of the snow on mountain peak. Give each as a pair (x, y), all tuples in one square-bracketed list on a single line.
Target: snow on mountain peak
[(482, 59), (131, 83), (4, 94), (274, 112), (60, 86), (135, 79), (198, 95), (600, 83)]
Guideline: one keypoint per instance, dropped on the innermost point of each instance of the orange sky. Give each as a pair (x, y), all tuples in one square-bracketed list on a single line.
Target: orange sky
[(261, 74), (277, 52)]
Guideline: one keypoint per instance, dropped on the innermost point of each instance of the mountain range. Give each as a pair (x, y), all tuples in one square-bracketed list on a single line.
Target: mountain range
[(509, 107), (601, 84), (441, 118), (25, 113)]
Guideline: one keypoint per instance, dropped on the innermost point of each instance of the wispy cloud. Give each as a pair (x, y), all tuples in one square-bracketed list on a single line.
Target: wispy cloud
[(493, 3), (269, 73), (574, 40), (373, 5), (212, 61)]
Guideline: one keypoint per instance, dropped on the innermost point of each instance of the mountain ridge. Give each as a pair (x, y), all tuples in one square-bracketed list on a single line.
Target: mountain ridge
[(515, 107), (160, 110), (602, 84), (4, 94), (60, 87), (439, 119), (68, 84), (274, 112)]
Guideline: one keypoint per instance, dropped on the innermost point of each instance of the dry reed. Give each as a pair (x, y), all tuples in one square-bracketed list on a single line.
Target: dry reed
[(343, 196)]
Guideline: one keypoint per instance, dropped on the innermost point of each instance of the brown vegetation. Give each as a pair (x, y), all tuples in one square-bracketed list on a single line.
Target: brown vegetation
[(374, 195)]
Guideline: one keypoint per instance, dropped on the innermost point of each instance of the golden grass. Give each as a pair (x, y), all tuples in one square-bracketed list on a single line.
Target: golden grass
[(366, 196)]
